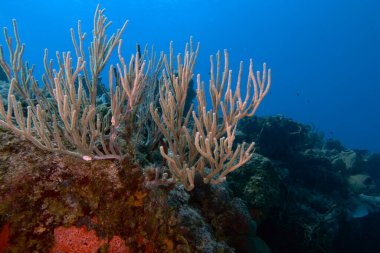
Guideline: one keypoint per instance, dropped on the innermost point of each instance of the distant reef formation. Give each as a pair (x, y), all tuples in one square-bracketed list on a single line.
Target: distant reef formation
[(4, 84), (308, 193), (299, 193), (3, 77)]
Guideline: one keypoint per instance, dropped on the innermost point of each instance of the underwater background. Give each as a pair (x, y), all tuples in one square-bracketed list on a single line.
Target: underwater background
[(324, 54), (311, 185)]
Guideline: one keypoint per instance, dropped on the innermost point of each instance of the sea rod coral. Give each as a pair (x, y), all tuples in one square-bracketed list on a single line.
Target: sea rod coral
[(146, 108)]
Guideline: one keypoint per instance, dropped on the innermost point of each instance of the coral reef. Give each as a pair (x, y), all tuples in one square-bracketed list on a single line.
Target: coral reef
[(42, 194), (49, 199), (319, 196)]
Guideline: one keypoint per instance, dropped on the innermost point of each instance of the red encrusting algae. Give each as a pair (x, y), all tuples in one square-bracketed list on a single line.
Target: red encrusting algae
[(80, 240), (4, 237), (76, 240), (117, 245)]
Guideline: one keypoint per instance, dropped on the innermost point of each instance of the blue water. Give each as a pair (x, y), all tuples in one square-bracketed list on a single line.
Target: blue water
[(325, 54)]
